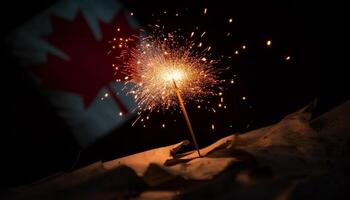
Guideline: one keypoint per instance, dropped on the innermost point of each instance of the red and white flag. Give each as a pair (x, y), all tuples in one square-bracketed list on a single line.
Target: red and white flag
[(66, 50)]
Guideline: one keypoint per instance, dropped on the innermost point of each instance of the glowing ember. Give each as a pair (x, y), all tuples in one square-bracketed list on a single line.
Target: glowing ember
[(192, 34), (268, 42)]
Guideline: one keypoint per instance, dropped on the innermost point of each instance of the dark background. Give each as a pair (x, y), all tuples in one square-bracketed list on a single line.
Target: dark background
[(311, 32)]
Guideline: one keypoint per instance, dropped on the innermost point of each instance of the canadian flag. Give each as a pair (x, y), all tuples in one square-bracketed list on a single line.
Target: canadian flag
[(66, 48)]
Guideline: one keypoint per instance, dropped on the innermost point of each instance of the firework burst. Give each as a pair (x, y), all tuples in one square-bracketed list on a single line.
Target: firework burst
[(161, 62)]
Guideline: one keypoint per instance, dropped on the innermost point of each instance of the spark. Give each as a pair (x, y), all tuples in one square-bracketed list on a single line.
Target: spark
[(163, 125), (236, 52), (244, 98), (106, 94), (131, 14), (288, 58), (268, 42), (120, 114), (203, 34), (205, 11), (244, 47), (212, 127), (230, 20), (135, 120)]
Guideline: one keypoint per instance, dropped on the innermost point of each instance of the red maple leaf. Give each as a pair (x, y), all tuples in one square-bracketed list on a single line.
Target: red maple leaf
[(89, 67)]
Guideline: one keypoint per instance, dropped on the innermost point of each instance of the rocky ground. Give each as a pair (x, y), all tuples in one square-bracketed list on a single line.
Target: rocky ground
[(296, 158)]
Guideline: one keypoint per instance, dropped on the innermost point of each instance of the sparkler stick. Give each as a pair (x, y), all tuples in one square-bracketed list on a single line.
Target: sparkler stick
[(188, 122)]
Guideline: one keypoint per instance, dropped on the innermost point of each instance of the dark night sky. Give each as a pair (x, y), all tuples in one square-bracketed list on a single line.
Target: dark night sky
[(274, 87)]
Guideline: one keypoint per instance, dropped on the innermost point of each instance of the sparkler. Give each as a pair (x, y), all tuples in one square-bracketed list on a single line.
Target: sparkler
[(170, 71)]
